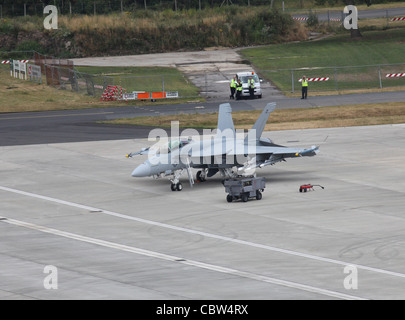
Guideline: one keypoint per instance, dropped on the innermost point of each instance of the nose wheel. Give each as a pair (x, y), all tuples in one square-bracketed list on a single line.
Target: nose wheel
[(176, 186)]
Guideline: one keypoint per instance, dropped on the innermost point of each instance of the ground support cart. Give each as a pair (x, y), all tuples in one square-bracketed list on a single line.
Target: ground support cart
[(244, 188)]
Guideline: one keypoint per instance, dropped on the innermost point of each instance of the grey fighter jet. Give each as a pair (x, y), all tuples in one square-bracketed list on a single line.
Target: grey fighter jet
[(223, 152)]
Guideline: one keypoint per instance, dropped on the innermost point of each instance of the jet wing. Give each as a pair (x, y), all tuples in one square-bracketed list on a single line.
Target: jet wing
[(278, 154), (287, 152)]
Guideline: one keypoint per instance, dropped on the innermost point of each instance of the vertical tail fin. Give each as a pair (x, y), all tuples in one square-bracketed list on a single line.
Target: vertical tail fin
[(261, 122), (225, 121)]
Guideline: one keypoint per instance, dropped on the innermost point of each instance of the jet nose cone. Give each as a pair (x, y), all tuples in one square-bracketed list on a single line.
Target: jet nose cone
[(142, 170)]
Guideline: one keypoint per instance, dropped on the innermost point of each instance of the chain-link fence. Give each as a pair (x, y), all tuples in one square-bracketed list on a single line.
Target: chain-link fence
[(61, 74), (389, 17), (339, 78), (11, 8), (94, 85)]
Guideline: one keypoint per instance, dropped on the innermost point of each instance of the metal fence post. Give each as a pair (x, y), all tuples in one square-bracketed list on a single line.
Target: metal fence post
[(336, 82), (163, 83), (292, 81), (379, 75), (206, 84)]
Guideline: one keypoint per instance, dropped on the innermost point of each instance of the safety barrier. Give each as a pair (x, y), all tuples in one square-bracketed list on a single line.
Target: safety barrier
[(136, 95), (316, 79), (113, 93), (395, 75), (398, 19)]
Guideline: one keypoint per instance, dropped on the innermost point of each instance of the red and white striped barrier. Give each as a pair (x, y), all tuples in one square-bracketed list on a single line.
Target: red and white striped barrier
[(316, 79), (398, 19), (8, 61), (394, 75), (300, 18)]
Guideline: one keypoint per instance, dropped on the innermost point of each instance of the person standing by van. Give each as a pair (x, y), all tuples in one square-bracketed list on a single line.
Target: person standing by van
[(304, 83), (239, 89), (233, 88), (251, 84)]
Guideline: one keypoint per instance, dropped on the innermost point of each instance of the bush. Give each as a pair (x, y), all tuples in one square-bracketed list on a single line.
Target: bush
[(312, 19), (29, 45)]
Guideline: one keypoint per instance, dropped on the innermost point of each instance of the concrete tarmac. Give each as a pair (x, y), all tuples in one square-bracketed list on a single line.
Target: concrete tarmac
[(74, 206)]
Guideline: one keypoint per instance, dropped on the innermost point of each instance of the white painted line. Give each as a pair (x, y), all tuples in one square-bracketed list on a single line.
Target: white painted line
[(205, 234), (56, 116), (171, 258)]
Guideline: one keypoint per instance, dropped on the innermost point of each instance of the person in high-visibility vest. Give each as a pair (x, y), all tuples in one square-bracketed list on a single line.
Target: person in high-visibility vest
[(233, 88), (239, 89), (251, 84), (304, 83)]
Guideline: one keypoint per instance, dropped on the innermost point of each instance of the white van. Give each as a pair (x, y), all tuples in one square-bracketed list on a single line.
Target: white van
[(244, 77)]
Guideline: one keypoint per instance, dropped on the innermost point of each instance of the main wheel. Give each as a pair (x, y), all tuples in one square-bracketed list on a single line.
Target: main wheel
[(244, 197), (200, 177), (258, 195), (229, 198), (173, 187), (179, 187)]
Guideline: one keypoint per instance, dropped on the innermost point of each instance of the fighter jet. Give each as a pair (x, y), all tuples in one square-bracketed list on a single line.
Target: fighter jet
[(223, 152)]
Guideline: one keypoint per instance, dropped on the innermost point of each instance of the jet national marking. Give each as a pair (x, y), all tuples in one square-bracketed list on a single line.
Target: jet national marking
[(227, 152)]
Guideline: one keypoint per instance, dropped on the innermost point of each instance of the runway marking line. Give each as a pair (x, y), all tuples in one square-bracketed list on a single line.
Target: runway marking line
[(56, 116), (204, 234), (175, 259)]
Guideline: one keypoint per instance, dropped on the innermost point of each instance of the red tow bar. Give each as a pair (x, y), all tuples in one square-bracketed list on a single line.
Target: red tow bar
[(308, 187)]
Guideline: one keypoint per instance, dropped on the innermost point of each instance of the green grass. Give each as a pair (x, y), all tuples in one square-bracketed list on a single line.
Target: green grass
[(148, 79), (376, 47), (287, 119), (20, 95)]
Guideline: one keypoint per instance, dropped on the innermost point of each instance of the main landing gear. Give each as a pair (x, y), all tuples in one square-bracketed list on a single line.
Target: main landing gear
[(201, 175)]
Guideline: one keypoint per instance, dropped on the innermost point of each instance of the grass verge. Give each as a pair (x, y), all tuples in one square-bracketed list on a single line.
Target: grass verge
[(287, 119), (319, 58), (22, 96)]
